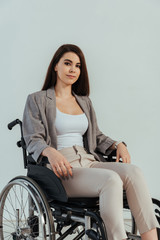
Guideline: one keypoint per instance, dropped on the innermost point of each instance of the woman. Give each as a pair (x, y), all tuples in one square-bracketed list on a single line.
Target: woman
[(60, 123)]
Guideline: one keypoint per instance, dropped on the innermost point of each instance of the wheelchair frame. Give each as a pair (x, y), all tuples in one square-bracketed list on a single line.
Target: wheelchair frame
[(47, 205)]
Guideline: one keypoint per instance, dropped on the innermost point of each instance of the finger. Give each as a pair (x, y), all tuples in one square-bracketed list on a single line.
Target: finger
[(129, 160), (59, 170), (126, 159), (64, 170), (117, 157), (69, 168), (55, 171), (70, 171)]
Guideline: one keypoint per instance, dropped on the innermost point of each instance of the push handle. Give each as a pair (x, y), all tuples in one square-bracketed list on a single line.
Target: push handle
[(20, 143), (13, 123)]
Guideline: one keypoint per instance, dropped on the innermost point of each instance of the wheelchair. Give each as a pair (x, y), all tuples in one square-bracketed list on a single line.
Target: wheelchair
[(36, 207)]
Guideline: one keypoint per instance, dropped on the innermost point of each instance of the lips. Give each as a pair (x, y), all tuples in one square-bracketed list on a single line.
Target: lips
[(71, 76)]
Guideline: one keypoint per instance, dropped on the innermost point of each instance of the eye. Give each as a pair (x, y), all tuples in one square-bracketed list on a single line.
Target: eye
[(79, 66), (67, 63)]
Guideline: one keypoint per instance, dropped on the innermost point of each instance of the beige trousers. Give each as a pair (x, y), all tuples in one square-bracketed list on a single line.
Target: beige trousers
[(107, 180)]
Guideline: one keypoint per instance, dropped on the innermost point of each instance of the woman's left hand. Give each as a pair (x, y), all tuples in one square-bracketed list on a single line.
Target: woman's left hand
[(123, 153)]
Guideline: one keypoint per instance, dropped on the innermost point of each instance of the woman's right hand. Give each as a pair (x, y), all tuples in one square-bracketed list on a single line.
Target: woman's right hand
[(59, 163)]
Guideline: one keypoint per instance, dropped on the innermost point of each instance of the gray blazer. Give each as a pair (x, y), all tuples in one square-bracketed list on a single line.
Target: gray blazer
[(39, 130)]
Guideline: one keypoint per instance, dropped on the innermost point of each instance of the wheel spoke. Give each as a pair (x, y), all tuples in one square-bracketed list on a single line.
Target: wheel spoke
[(9, 226), (19, 204), (8, 236), (6, 210), (10, 201), (9, 214)]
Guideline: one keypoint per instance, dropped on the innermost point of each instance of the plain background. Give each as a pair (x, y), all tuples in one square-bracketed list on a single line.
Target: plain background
[(121, 43)]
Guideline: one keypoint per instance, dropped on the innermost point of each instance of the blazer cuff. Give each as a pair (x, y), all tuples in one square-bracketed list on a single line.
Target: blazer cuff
[(104, 147), (38, 152)]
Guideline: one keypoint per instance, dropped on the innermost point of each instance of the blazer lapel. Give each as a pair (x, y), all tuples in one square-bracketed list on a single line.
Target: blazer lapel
[(50, 93), (51, 114)]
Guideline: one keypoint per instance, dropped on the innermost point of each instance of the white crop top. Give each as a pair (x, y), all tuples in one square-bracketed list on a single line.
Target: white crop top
[(70, 129)]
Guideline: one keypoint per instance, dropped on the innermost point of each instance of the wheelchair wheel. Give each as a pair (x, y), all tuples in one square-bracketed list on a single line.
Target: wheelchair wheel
[(24, 212)]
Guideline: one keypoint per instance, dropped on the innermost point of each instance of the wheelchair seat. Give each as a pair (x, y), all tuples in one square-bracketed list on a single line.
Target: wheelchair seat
[(88, 203), (84, 202)]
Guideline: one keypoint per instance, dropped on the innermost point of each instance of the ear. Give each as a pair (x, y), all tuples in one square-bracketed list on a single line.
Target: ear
[(55, 68)]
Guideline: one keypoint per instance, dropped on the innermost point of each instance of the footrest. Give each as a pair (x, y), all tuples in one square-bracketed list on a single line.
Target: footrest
[(133, 236)]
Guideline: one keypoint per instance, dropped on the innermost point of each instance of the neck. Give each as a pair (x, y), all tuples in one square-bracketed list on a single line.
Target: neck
[(63, 91)]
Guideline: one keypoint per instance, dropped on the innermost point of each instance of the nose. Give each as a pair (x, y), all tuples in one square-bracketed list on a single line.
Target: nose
[(72, 69)]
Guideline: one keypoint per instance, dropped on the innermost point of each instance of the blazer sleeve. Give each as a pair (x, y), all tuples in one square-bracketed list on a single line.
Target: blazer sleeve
[(33, 128), (103, 142)]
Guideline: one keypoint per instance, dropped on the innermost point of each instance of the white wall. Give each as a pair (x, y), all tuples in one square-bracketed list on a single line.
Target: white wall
[(120, 39)]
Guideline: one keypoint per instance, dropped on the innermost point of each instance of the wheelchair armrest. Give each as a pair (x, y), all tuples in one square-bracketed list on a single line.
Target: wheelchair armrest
[(107, 158)]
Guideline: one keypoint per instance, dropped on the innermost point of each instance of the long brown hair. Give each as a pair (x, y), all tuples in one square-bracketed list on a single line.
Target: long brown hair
[(81, 86)]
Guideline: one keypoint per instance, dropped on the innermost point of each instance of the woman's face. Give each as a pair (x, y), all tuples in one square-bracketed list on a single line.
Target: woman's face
[(68, 68)]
